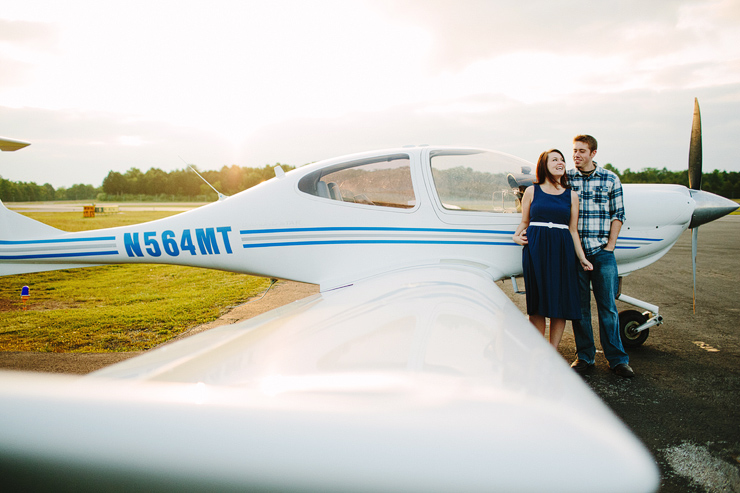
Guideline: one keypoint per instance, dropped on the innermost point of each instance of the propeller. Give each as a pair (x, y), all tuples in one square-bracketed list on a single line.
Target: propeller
[(707, 206), (695, 157)]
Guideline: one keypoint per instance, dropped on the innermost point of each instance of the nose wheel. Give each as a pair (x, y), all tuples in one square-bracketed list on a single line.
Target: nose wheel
[(629, 321), (633, 324)]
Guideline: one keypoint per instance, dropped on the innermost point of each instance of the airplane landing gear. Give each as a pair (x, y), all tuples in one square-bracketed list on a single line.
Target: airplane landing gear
[(633, 324), (629, 320)]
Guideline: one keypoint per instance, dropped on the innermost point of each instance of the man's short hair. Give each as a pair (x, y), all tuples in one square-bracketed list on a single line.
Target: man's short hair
[(588, 140)]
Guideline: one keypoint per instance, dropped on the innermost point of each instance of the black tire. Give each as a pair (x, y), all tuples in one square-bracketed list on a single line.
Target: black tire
[(628, 320)]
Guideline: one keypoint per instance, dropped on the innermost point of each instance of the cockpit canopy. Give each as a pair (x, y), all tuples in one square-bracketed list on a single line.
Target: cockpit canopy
[(464, 180)]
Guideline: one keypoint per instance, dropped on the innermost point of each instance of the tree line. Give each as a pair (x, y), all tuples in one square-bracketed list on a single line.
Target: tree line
[(183, 185), (724, 183)]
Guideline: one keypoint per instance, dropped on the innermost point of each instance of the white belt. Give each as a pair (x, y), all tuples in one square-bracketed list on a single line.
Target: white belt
[(549, 225)]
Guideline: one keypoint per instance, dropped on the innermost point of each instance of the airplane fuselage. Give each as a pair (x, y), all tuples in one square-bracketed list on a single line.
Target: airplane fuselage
[(389, 209)]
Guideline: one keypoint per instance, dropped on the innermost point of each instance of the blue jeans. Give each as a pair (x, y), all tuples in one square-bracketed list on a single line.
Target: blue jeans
[(604, 280)]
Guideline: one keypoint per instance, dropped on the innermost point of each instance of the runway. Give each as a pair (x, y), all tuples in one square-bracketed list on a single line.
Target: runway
[(78, 206)]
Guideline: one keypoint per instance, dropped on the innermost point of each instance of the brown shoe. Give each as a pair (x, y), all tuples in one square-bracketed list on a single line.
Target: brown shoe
[(624, 370), (581, 366)]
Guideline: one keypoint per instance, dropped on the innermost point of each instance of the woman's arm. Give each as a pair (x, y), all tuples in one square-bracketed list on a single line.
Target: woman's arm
[(520, 235), (573, 227)]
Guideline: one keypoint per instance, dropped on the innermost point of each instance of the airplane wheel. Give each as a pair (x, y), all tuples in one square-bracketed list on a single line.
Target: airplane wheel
[(628, 321)]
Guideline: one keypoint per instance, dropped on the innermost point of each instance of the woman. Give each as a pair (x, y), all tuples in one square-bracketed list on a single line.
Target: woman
[(549, 234)]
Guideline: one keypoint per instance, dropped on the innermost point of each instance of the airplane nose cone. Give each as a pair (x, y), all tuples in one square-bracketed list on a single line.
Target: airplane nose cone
[(709, 207)]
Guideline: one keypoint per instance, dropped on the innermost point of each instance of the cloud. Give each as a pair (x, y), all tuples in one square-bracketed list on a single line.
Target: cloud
[(253, 83), (465, 32), (20, 41), (14, 73), (643, 42), (69, 147), (636, 129), (29, 35)]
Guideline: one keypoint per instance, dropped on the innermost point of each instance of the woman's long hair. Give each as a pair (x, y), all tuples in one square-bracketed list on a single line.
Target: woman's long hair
[(543, 174)]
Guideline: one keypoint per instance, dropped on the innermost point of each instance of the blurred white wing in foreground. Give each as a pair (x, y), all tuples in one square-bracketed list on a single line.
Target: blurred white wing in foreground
[(424, 379)]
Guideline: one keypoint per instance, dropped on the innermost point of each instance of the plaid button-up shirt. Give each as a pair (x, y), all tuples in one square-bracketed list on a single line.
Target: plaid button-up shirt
[(600, 197)]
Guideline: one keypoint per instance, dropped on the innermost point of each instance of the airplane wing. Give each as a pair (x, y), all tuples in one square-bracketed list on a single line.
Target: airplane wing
[(421, 379), (12, 144)]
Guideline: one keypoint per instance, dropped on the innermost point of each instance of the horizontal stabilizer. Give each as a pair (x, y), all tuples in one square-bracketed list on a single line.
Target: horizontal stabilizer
[(14, 226)]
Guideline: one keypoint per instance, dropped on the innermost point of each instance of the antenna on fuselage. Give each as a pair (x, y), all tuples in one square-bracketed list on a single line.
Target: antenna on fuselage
[(220, 195)]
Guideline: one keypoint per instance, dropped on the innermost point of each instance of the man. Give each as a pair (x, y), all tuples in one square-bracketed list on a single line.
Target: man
[(600, 219)]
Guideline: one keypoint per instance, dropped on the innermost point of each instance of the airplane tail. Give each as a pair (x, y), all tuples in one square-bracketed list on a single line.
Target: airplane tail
[(17, 233)]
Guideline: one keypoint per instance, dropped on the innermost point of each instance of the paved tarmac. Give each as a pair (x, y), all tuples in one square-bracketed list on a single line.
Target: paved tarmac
[(67, 206), (684, 402)]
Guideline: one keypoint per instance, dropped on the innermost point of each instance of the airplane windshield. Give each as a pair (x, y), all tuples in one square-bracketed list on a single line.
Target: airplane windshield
[(484, 181)]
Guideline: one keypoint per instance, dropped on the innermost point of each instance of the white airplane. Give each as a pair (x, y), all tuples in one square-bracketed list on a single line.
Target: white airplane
[(410, 371)]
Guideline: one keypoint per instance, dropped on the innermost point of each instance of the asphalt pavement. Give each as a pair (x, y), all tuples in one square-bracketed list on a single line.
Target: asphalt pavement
[(684, 402)]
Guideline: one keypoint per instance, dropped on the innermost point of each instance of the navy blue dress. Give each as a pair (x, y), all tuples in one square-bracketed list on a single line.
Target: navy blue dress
[(549, 259)]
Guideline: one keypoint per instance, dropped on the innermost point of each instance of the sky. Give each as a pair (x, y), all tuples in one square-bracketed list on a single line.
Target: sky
[(100, 86)]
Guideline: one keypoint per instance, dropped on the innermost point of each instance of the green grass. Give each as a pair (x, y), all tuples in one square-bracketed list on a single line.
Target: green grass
[(736, 212), (113, 308)]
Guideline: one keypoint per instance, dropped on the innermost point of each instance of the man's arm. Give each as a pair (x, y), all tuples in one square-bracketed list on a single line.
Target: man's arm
[(616, 209), (614, 229)]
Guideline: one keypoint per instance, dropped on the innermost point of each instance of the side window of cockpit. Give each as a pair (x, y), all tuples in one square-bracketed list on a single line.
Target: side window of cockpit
[(384, 183), (477, 181)]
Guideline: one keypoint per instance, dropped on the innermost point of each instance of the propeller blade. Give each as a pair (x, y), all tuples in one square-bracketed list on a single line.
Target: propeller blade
[(694, 244), (695, 158), (695, 154)]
